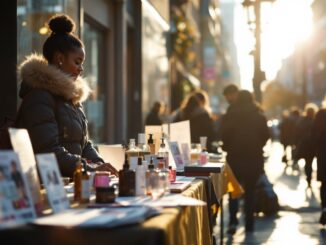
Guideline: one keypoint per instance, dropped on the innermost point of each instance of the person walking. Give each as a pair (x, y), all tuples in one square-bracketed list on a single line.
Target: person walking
[(295, 116), (52, 92), (304, 144), (319, 138), (285, 128), (244, 133)]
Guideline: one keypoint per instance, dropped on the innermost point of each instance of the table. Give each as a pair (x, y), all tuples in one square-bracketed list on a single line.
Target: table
[(180, 225)]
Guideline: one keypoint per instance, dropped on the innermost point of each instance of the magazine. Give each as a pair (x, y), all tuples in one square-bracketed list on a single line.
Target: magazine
[(23, 147), (16, 206), (52, 181)]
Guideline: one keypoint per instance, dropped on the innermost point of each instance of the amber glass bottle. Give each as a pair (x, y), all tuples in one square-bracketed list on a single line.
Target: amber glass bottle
[(126, 180), (82, 183)]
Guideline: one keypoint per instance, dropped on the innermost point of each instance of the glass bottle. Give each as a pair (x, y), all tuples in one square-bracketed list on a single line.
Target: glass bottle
[(150, 143), (203, 157), (126, 179), (164, 177), (163, 154), (150, 175), (140, 178), (82, 183), (142, 146), (132, 151), (77, 181)]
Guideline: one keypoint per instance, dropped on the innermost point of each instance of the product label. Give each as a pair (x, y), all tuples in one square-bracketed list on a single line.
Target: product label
[(85, 189)]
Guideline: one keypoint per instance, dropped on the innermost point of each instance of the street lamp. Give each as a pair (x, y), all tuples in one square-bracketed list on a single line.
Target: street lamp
[(253, 19)]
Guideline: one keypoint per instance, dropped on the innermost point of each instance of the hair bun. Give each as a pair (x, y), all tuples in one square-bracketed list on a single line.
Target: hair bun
[(61, 24)]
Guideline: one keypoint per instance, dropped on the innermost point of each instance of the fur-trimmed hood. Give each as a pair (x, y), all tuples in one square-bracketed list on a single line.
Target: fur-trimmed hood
[(35, 72)]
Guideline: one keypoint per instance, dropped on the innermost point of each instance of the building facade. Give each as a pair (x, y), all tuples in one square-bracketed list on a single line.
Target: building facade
[(126, 62)]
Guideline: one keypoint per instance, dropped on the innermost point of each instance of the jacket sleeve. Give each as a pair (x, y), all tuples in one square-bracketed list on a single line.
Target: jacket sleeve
[(90, 153), (38, 117)]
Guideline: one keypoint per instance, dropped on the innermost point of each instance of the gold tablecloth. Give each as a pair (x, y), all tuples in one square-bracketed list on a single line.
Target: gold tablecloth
[(186, 225), (180, 225)]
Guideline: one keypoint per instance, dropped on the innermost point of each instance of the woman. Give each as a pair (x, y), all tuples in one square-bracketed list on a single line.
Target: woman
[(244, 133), (52, 92), (194, 109), (319, 138), (154, 116)]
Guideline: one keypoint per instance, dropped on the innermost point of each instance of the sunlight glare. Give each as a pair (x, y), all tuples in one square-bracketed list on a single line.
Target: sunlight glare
[(285, 24)]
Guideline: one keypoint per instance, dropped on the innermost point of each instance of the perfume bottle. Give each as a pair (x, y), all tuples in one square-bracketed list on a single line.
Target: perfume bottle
[(164, 177), (133, 150), (126, 179), (203, 157), (142, 146), (140, 178), (151, 174), (150, 143), (163, 154)]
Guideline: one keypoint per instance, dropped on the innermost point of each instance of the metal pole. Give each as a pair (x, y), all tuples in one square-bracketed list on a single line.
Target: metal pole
[(258, 74)]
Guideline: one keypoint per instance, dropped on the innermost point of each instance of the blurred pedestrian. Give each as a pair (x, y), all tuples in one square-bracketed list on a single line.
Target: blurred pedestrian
[(285, 127), (295, 116), (319, 137), (201, 123), (154, 116), (52, 92), (230, 93), (304, 144), (244, 133)]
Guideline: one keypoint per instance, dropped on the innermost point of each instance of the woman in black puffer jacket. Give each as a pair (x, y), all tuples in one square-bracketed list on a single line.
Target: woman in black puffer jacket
[(52, 93)]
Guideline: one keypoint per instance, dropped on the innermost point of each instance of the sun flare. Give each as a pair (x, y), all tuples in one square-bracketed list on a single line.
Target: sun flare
[(285, 24)]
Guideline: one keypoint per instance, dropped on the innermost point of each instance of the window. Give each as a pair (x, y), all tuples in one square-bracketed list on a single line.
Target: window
[(32, 16), (94, 40)]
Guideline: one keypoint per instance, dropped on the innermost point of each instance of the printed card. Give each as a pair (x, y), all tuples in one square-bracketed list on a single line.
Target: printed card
[(176, 154), (51, 177), (16, 206), (23, 147)]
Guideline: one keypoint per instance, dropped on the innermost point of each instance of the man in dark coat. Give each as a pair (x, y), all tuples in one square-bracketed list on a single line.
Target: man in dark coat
[(319, 137), (244, 133), (305, 147)]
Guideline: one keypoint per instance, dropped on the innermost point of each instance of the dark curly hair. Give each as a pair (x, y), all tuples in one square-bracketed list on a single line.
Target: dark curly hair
[(62, 38)]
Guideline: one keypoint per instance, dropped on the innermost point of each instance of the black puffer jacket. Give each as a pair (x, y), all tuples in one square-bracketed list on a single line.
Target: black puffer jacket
[(244, 133), (52, 113)]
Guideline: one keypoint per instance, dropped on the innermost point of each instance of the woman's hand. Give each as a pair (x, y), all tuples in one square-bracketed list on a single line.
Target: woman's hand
[(106, 167)]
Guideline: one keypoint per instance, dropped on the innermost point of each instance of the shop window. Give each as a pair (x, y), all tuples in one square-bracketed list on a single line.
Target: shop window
[(32, 16), (94, 73)]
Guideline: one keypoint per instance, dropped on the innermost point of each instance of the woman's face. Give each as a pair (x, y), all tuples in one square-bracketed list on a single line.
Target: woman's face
[(72, 63)]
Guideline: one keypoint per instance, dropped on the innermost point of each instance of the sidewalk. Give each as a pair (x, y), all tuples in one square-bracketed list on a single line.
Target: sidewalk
[(296, 222)]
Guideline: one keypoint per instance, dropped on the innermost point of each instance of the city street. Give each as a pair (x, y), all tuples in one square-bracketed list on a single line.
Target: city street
[(297, 220)]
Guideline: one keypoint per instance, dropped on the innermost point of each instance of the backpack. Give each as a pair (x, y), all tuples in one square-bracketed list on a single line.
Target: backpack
[(266, 198)]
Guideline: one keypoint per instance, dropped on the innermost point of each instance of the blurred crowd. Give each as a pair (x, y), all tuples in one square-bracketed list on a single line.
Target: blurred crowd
[(243, 131)]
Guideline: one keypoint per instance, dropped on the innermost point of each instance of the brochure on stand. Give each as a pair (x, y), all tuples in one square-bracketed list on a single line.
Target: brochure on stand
[(176, 154), (180, 132), (51, 178), (22, 146), (99, 217), (16, 206)]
